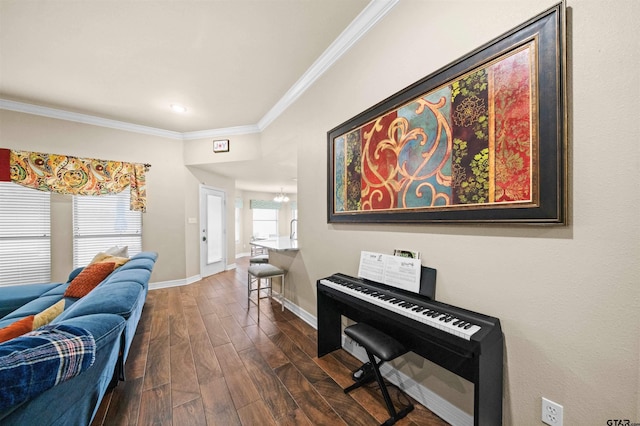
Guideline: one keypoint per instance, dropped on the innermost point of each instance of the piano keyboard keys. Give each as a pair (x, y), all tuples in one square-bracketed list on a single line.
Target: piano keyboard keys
[(431, 317)]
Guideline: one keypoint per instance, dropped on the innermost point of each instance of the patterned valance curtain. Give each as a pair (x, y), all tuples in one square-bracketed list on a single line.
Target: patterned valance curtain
[(71, 175)]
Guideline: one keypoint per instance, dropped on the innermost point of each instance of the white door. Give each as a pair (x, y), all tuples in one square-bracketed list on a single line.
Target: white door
[(213, 247)]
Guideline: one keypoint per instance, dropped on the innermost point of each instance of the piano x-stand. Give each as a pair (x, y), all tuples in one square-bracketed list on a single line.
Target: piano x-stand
[(466, 343)]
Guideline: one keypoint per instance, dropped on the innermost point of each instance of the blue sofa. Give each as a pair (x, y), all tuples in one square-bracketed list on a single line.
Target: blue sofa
[(109, 313)]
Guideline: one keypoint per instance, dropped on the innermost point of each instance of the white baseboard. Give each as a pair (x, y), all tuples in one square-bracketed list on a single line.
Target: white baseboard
[(302, 314), (426, 397), (184, 281), (193, 279), (174, 283)]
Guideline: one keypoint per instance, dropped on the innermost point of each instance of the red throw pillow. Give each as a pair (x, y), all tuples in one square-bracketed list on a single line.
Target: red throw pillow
[(88, 279), (16, 329)]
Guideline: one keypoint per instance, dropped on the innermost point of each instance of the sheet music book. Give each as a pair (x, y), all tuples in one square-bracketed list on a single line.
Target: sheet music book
[(407, 253), (399, 272)]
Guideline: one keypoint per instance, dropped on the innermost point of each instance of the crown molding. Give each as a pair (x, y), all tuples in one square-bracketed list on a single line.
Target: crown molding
[(86, 119), (366, 20), (226, 131)]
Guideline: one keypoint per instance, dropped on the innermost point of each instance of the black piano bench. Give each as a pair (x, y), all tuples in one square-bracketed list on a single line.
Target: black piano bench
[(386, 348)]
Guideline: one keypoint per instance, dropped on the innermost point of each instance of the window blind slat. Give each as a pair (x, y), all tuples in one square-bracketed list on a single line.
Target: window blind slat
[(101, 222), (25, 235)]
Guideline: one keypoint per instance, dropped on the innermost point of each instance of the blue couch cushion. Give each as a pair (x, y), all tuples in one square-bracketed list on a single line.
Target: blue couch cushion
[(58, 290), (31, 308), (139, 263), (27, 362), (15, 296), (140, 276), (146, 255), (117, 298)]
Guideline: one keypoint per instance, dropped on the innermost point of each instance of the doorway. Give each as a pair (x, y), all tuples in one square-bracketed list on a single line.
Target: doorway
[(213, 231)]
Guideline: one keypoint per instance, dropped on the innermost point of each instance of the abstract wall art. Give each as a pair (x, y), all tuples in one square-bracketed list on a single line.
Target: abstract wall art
[(480, 140)]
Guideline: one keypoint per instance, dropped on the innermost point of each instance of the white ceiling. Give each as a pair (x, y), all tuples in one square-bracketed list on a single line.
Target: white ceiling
[(230, 62)]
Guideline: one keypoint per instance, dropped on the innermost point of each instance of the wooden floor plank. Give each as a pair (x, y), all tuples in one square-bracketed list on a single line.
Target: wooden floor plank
[(220, 306), (218, 404), (294, 418), (256, 413), (155, 406), (178, 331), (214, 328), (269, 351), (276, 397), (336, 370), (236, 334), (205, 306), (137, 360), (299, 358), (346, 407), (309, 346), (158, 367), (241, 387), (238, 311), (190, 413), (159, 323), (308, 399), (204, 358), (184, 380), (195, 324), (305, 328), (125, 403)]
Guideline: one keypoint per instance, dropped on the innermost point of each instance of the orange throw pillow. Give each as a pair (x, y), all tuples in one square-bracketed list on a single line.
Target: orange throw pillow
[(88, 279), (16, 329)]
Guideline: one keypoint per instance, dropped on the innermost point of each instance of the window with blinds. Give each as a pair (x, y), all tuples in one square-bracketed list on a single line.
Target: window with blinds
[(265, 223), (25, 235), (101, 222)]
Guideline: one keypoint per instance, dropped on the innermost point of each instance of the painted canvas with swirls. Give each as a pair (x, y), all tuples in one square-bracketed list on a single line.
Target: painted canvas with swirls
[(470, 143)]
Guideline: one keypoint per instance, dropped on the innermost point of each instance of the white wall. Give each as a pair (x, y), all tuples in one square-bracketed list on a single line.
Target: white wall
[(567, 297)]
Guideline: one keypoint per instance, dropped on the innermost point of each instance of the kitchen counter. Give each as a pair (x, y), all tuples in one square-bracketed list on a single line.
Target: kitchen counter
[(277, 244)]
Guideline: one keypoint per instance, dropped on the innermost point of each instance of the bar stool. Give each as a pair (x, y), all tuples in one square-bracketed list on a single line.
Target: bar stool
[(386, 348), (255, 274), (261, 258)]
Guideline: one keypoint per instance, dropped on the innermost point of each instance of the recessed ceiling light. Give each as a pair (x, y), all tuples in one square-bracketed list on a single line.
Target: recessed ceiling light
[(178, 108)]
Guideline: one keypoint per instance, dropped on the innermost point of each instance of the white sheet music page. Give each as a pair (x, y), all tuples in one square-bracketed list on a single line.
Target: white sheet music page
[(399, 272), (402, 272), (371, 266)]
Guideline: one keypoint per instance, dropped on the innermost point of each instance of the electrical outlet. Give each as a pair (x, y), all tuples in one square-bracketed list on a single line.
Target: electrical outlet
[(551, 412)]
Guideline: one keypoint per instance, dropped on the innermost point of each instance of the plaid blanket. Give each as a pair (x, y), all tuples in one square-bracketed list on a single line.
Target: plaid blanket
[(39, 360)]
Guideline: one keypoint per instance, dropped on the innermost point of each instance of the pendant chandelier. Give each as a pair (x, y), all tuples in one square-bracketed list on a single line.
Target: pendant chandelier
[(281, 197)]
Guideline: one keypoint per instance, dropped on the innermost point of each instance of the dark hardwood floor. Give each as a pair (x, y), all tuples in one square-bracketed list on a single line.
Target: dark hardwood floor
[(201, 358)]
